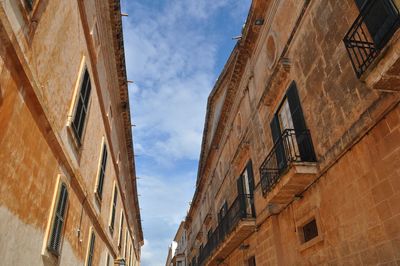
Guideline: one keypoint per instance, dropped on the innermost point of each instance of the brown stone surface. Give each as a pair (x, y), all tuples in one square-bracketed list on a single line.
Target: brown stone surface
[(41, 55), (355, 129)]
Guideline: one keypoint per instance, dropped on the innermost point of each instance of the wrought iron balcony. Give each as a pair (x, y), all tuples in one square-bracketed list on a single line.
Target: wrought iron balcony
[(291, 147), (371, 31), (241, 209)]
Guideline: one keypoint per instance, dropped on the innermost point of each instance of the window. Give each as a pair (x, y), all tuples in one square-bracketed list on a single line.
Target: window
[(108, 259), (121, 225), (113, 209), (78, 122), (58, 221), (223, 211), (245, 186), (310, 230), (29, 4), (130, 254), (209, 234), (289, 131), (102, 172), (89, 260), (126, 242), (251, 261), (381, 17), (179, 263)]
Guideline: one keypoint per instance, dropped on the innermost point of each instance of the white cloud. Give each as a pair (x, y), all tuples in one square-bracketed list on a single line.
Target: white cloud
[(171, 54)]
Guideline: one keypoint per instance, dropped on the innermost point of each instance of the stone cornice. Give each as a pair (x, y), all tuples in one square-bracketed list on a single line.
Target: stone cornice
[(233, 70), (118, 41)]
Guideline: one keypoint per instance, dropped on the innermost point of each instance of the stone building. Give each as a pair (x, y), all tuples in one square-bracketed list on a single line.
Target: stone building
[(177, 251), (68, 192), (300, 159)]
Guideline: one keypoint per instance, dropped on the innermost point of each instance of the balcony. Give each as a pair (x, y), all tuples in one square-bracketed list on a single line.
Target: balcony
[(371, 31), (236, 226), (289, 167)]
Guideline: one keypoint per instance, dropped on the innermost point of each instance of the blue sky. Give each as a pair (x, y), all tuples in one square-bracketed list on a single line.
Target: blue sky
[(175, 50)]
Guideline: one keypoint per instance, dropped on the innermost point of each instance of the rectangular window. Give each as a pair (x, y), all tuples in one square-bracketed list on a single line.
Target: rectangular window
[(108, 259), (81, 111), (179, 263), (310, 230), (223, 211), (130, 255), (113, 209), (251, 261), (58, 222), (126, 242), (89, 260), (121, 225), (102, 172), (29, 4)]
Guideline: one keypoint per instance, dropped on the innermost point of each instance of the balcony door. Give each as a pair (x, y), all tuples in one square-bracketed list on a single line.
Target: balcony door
[(380, 16), (295, 144), (286, 125), (245, 186)]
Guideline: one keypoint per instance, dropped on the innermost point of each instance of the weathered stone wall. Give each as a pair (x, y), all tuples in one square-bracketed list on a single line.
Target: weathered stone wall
[(354, 129), (39, 74)]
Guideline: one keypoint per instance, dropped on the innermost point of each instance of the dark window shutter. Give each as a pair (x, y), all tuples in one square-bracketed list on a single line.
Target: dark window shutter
[(91, 250), (379, 20), (252, 261), (241, 195), (303, 138), (59, 218), (250, 176), (280, 150), (82, 107), (102, 172), (114, 205), (295, 108)]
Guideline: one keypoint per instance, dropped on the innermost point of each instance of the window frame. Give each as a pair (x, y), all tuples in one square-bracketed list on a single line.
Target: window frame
[(113, 209), (79, 143), (47, 253), (120, 234), (304, 220), (101, 171), (90, 247)]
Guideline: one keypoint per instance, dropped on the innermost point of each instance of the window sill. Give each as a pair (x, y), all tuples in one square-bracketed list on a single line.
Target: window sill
[(311, 243)]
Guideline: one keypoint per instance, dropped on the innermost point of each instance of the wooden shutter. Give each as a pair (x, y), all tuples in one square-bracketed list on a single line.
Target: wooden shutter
[(59, 218), (241, 194), (279, 149), (102, 171), (250, 176), (304, 141), (120, 231), (113, 209), (82, 107), (379, 20), (91, 250)]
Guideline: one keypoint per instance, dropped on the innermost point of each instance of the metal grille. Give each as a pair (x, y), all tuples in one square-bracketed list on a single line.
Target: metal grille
[(241, 208), (55, 238), (373, 28), (102, 171), (82, 107), (291, 147)]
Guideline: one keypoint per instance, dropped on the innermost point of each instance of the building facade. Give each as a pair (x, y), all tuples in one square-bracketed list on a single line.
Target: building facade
[(68, 193), (177, 251), (300, 159)]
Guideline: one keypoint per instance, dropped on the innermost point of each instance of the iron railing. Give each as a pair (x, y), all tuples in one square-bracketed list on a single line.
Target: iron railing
[(291, 147), (241, 208), (373, 28)]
